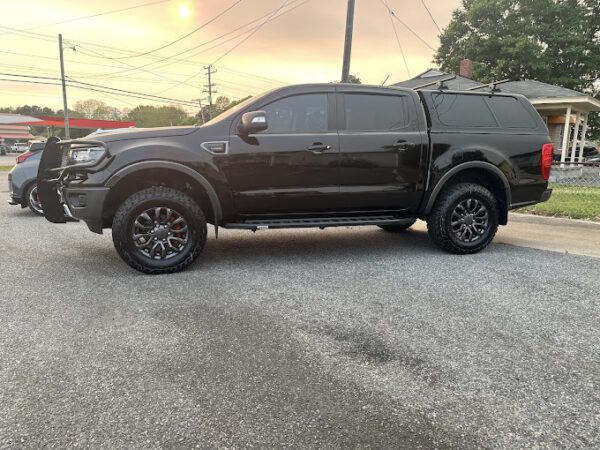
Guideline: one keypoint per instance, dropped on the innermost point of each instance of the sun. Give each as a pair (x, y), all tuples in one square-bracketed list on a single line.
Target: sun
[(184, 11)]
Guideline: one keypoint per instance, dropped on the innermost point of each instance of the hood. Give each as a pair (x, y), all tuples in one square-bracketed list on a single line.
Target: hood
[(141, 133)]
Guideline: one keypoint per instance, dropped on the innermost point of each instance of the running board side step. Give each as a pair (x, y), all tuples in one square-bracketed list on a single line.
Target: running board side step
[(319, 222)]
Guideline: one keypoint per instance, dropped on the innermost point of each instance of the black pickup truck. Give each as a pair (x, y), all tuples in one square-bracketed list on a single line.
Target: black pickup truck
[(319, 155)]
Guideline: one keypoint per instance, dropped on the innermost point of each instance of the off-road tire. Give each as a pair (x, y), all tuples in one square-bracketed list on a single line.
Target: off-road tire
[(158, 197), (439, 220), (31, 207), (397, 228)]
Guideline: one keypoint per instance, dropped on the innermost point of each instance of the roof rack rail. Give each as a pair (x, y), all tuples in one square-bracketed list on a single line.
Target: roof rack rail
[(421, 86), (492, 86)]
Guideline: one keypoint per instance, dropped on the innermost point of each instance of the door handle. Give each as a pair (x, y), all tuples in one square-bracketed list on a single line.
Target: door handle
[(318, 147), (403, 145)]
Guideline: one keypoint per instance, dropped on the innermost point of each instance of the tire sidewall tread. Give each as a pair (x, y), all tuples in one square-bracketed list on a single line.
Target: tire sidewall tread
[(186, 206), (437, 220), (27, 196)]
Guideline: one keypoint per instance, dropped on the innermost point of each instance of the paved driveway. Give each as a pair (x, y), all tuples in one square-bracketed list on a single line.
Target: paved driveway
[(303, 339)]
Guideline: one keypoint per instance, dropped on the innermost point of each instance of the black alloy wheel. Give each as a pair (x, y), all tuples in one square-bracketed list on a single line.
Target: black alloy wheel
[(464, 218), (159, 230)]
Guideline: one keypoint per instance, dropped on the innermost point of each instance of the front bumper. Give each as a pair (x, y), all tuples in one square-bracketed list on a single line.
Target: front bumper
[(86, 204), (14, 200), (60, 186)]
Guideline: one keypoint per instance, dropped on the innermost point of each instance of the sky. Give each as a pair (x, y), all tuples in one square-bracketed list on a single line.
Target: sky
[(281, 42)]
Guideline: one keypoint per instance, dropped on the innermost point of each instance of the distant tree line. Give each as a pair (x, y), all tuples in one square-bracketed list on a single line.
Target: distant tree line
[(145, 116)]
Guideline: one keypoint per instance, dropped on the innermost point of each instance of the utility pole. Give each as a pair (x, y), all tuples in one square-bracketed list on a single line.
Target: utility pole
[(64, 86), (209, 88), (199, 100), (348, 41)]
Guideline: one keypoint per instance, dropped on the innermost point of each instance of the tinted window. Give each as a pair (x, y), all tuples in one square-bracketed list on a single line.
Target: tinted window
[(298, 114), (366, 112), (511, 113), (36, 146), (463, 110)]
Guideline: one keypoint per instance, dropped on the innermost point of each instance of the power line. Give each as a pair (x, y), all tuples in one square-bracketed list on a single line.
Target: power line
[(185, 35), (246, 88), (397, 39), (52, 39), (143, 70), (173, 57), (431, 16), (252, 32), (54, 81), (406, 26), (114, 11)]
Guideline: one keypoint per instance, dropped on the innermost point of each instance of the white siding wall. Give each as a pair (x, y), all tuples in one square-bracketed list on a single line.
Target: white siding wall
[(556, 136)]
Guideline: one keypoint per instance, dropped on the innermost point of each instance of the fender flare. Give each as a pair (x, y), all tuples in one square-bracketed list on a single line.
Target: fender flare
[(159, 164), (464, 166)]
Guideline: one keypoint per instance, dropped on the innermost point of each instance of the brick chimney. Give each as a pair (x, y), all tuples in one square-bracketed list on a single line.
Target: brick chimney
[(466, 68)]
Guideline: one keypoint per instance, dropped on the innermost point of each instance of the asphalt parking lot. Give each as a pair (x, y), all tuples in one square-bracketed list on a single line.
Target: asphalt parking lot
[(295, 339)]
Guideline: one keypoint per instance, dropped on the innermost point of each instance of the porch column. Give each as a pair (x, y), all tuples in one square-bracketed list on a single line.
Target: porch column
[(565, 141), (583, 133), (575, 136)]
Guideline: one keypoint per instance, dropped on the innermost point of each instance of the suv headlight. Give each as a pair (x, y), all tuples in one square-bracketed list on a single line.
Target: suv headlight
[(87, 155)]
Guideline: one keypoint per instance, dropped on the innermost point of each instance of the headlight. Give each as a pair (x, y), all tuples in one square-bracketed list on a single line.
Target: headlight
[(87, 155)]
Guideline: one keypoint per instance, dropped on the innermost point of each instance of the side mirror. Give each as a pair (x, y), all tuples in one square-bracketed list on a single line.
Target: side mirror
[(253, 122)]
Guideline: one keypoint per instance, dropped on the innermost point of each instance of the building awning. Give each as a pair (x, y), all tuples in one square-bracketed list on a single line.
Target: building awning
[(16, 136), (583, 104), (59, 122)]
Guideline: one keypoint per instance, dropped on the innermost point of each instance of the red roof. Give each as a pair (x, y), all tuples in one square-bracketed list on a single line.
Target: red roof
[(54, 121)]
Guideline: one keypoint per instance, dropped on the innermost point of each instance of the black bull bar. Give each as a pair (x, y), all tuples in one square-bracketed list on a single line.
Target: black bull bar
[(52, 174)]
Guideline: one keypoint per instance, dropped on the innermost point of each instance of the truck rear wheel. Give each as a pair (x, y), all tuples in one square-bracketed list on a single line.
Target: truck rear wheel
[(159, 230), (464, 219)]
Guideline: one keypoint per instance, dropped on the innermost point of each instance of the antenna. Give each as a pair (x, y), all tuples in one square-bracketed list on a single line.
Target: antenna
[(442, 86)]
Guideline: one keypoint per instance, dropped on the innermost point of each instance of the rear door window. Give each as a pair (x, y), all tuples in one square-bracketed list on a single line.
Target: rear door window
[(510, 112), (367, 112), (461, 110)]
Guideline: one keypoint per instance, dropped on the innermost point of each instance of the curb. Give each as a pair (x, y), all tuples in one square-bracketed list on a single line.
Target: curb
[(556, 221)]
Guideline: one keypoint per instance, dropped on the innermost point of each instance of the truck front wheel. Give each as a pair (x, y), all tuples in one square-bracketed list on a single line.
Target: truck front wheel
[(464, 218), (159, 230)]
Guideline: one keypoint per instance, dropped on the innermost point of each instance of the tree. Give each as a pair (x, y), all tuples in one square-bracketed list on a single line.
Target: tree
[(96, 109), (553, 41), (221, 104), (353, 79), (147, 116)]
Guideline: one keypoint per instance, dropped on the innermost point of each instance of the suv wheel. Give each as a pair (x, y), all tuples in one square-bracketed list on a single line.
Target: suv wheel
[(397, 228), (159, 230), (464, 219), (33, 200)]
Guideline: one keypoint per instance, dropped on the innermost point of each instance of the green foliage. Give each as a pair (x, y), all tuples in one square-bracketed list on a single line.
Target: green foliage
[(353, 79), (570, 201), (553, 41), (220, 105), (147, 116), (33, 110), (96, 109)]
